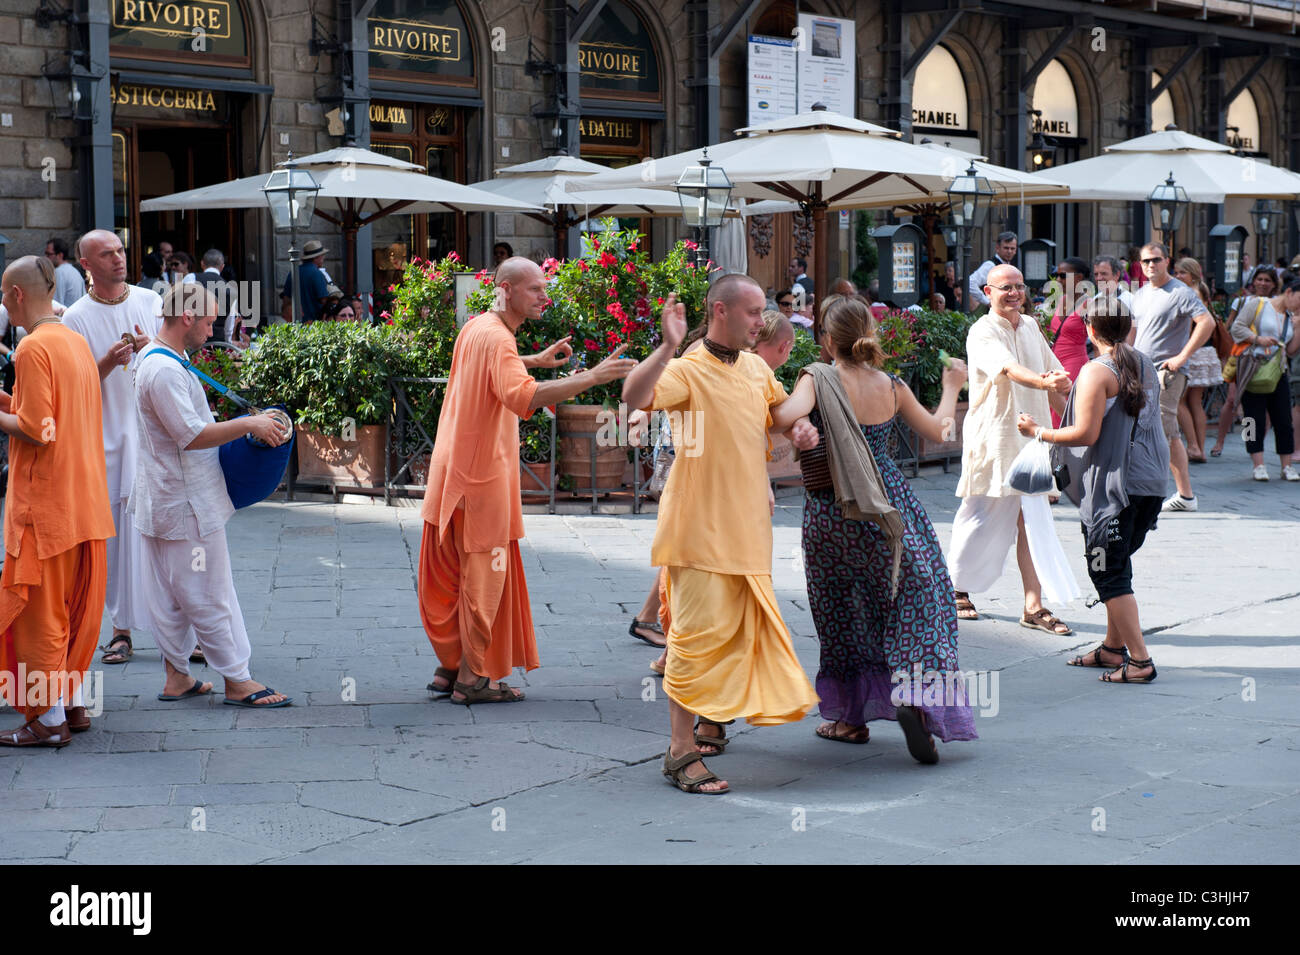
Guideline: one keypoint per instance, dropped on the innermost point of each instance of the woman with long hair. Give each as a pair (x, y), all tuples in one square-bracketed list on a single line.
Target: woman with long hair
[(1117, 461), (1203, 370), (1263, 283), (878, 586)]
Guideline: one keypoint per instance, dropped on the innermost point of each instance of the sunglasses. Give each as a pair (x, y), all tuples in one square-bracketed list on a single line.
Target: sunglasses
[(788, 303), (1152, 261)]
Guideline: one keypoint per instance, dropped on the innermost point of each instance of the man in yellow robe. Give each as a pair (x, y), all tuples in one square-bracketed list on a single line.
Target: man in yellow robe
[(729, 652)]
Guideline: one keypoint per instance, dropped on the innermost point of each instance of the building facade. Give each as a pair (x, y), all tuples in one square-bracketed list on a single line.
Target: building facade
[(106, 103)]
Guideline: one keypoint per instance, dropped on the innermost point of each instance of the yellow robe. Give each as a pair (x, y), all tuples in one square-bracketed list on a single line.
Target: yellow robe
[(729, 651)]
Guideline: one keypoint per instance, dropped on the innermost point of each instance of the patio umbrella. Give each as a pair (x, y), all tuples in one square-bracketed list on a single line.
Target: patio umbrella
[(1209, 171), (357, 187), (819, 159), (547, 182)]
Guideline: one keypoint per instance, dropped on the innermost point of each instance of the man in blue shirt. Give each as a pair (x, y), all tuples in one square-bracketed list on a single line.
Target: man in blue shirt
[(312, 285)]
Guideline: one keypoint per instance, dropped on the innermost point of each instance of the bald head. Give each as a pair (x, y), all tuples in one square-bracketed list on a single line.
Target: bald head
[(101, 254), (517, 269), (28, 289), (1005, 288), (735, 308), (521, 291)]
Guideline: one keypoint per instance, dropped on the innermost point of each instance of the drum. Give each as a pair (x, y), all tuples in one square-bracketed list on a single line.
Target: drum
[(252, 469)]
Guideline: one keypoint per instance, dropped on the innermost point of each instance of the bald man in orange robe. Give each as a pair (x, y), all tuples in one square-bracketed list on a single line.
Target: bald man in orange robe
[(473, 596), (57, 516)]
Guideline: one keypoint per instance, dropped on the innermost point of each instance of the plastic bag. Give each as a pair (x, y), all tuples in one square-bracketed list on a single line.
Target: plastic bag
[(1031, 471)]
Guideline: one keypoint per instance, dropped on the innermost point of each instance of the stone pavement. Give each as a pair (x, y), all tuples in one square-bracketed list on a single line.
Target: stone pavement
[(1202, 766)]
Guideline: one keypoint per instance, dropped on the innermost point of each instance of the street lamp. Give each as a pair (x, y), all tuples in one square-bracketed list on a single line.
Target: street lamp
[(704, 191), (1168, 204), (291, 194), (1264, 215), (968, 197)]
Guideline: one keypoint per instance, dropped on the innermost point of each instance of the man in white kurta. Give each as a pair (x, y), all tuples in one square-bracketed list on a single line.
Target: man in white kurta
[(1012, 369), (110, 310), (180, 505)]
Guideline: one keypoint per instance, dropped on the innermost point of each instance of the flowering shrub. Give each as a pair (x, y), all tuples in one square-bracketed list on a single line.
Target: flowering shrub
[(223, 365)]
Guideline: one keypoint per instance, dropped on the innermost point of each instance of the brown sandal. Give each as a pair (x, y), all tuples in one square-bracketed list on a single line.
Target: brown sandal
[(965, 609), (1095, 657), (675, 771), (857, 734), (480, 692), (444, 674), (119, 655), (719, 742), (919, 741), (1044, 620)]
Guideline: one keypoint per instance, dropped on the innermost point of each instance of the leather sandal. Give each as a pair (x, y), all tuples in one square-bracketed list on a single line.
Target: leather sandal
[(480, 692), (856, 734), (964, 606), (1095, 655), (652, 626), (675, 771), (444, 674), (919, 741), (78, 720), (113, 650), (719, 742), (1123, 672), (37, 733), (1044, 620)]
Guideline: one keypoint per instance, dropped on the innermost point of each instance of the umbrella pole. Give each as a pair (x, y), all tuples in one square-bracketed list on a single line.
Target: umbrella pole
[(821, 276), (350, 258)]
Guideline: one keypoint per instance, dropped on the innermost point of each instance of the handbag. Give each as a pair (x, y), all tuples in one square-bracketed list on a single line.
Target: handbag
[(1267, 375), (1233, 362), (1221, 341), (252, 470)]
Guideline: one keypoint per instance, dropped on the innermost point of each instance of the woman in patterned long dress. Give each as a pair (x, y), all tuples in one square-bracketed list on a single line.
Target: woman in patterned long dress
[(870, 640)]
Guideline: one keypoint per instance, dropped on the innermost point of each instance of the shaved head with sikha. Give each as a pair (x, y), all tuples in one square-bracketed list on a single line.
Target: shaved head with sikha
[(521, 291), (101, 254), (28, 289)]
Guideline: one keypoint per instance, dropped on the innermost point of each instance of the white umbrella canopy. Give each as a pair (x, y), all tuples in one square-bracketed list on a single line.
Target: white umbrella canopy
[(548, 183), (358, 186), (1209, 171), (820, 159)]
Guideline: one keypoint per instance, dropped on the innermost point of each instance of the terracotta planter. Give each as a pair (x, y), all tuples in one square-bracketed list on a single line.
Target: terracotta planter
[(539, 478), (328, 459), (930, 450), (573, 423)]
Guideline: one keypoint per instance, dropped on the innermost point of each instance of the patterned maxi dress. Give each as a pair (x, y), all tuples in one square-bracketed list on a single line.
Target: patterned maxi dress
[(867, 638)]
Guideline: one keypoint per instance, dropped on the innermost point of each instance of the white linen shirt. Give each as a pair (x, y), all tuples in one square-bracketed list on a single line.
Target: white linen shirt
[(173, 486), (990, 441)]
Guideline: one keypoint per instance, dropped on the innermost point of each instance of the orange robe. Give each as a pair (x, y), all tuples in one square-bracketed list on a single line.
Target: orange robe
[(56, 521), (473, 596)]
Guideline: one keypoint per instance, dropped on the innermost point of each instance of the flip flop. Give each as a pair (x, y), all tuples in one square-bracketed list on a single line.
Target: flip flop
[(196, 656), (1216, 452), (919, 742), (250, 701), (195, 690)]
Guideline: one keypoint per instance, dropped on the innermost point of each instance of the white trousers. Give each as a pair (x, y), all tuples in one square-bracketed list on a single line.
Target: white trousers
[(126, 593), (193, 588), (984, 530)]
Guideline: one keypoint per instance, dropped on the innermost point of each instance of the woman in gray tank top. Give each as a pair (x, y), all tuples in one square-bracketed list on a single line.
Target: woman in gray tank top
[(1114, 459)]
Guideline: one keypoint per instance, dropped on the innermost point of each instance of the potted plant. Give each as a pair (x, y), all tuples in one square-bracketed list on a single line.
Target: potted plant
[(333, 378), (535, 453)]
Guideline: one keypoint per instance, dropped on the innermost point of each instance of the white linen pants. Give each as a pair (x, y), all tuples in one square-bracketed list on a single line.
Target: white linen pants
[(125, 595), (193, 588), (984, 530)]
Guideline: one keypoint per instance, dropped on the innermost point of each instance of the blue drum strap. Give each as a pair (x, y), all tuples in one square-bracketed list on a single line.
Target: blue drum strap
[(216, 386)]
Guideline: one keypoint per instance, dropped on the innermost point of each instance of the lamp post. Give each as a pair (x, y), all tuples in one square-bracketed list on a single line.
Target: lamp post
[(704, 191), (1264, 215), (1168, 204), (968, 198), (291, 194)]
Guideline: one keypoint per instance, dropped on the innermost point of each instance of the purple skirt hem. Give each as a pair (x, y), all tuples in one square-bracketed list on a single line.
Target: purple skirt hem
[(868, 696)]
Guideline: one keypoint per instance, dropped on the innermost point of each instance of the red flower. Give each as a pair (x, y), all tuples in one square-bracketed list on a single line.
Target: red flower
[(453, 256), (583, 266), (631, 246), (590, 345), (595, 244), (612, 291), (629, 268), (659, 301), (481, 274), (642, 307), (616, 309), (612, 339), (690, 245), (550, 265), (606, 260)]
